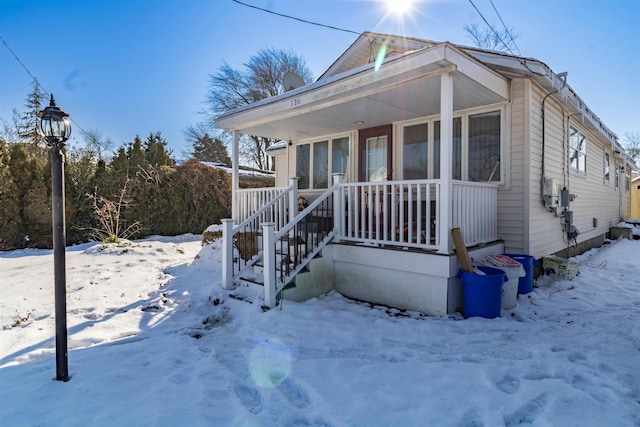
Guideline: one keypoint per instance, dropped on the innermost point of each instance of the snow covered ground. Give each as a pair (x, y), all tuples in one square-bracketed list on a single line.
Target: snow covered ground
[(155, 341)]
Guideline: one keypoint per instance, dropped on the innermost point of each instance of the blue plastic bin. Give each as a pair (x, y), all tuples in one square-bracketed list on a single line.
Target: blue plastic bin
[(482, 294), (525, 284)]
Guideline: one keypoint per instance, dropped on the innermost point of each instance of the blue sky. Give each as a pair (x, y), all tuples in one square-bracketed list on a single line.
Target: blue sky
[(131, 67)]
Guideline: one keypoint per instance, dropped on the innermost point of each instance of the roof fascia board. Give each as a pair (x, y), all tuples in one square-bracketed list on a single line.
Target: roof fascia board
[(479, 72), (332, 91), (347, 86)]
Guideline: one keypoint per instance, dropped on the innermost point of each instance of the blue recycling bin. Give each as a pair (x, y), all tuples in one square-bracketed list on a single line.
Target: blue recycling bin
[(482, 293), (525, 284)]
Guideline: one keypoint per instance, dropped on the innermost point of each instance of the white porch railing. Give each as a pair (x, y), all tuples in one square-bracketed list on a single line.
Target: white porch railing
[(395, 213), (250, 200), (475, 211), (403, 214)]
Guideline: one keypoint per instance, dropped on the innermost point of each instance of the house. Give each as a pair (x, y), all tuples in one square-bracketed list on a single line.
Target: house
[(635, 197), (394, 154)]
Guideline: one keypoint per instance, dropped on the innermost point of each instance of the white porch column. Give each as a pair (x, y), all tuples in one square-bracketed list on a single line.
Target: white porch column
[(269, 260), (338, 201), (235, 180), (293, 198), (227, 253), (446, 170)]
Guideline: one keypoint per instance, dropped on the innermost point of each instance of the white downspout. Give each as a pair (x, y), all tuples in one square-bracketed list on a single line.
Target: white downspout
[(445, 213), (235, 180)]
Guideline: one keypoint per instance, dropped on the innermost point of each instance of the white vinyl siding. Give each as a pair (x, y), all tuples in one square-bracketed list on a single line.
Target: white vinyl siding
[(593, 200), (512, 204)]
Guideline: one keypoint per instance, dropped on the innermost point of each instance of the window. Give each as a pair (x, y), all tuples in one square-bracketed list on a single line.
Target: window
[(415, 152), (375, 160), (607, 168), (476, 156), (456, 152), (484, 147), (316, 161), (577, 151), (320, 164), (303, 163)]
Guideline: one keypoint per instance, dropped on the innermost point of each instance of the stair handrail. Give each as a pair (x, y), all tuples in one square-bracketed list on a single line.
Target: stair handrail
[(287, 266), (262, 210), (233, 269)]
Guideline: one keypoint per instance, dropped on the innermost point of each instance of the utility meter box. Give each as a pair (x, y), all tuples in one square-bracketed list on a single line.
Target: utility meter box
[(551, 192)]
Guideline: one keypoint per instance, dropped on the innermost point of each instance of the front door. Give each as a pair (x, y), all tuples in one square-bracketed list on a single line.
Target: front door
[(375, 157)]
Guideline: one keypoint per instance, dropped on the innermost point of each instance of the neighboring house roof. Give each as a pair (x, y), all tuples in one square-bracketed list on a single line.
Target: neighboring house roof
[(289, 115), (277, 148)]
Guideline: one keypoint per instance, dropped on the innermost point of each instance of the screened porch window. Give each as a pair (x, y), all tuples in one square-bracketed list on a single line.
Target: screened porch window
[(476, 155), (456, 152), (484, 147), (316, 161), (415, 152)]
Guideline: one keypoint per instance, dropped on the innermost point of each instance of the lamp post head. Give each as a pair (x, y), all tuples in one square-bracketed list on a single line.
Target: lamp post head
[(54, 124)]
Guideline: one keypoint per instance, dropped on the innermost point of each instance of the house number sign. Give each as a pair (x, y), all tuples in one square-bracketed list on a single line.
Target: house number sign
[(295, 102)]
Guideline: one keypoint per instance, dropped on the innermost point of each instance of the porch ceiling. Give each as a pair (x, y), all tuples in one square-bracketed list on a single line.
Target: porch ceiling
[(404, 88)]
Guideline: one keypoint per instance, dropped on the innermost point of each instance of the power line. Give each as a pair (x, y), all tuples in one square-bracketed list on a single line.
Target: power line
[(521, 60), (294, 18), (505, 27), (36, 81)]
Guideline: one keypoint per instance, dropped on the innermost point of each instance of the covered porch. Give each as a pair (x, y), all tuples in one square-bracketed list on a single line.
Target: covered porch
[(385, 211)]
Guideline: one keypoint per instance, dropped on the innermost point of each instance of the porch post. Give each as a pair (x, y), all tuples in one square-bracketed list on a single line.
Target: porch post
[(227, 253), (269, 259), (293, 198), (446, 169), (338, 212), (235, 181)]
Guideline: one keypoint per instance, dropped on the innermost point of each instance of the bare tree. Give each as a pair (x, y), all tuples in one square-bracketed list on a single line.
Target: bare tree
[(501, 40), (632, 145), (9, 131), (97, 143), (261, 78)]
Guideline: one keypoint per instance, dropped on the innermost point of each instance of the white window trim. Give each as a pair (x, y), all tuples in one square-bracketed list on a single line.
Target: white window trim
[(329, 138), (464, 116), (606, 159), (573, 170)]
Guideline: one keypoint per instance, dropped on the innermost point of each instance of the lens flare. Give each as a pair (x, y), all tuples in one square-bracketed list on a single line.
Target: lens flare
[(270, 363), (380, 56)]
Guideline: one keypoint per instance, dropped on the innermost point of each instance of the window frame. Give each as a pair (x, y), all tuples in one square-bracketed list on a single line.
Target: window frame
[(463, 116), (576, 170), (606, 168), (329, 140)]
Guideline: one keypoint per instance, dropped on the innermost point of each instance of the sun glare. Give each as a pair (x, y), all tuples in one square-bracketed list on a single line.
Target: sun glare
[(399, 7)]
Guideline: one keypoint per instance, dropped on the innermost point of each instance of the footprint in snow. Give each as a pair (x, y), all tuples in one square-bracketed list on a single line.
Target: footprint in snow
[(294, 394), (472, 418), (509, 384), (249, 398), (528, 412)]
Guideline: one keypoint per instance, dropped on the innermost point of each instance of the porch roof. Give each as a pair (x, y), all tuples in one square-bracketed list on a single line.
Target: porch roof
[(404, 87)]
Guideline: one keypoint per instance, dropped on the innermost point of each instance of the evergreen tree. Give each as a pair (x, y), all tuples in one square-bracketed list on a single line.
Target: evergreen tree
[(10, 225), (34, 209), (155, 148), (28, 126), (210, 149), (136, 155)]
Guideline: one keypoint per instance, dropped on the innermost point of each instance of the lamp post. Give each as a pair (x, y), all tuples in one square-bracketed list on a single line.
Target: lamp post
[(54, 124)]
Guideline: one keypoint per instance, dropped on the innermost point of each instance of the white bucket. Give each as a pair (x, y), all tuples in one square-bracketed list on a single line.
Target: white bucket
[(514, 271), (510, 287)]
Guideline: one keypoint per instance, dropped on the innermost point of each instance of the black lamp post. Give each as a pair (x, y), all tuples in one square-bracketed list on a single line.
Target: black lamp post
[(54, 124)]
